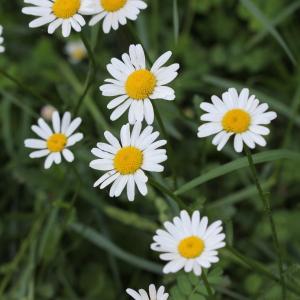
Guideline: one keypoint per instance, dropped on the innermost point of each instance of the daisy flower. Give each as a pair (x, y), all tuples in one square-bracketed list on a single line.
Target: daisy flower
[(55, 142), (76, 51), (153, 293), (189, 243), (126, 160), (47, 112), (135, 86), (56, 13), (236, 114), (2, 48), (115, 12)]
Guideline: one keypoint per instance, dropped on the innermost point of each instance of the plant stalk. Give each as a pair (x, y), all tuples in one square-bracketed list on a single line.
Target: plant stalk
[(267, 207)]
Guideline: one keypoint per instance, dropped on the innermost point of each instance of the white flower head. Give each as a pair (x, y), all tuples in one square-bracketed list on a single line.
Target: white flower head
[(47, 112), (153, 293), (126, 160), (189, 243), (236, 114), (76, 51), (115, 12), (134, 86), (56, 13), (55, 142), (2, 48)]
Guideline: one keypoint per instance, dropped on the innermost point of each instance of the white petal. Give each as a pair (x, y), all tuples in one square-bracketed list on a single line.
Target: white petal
[(68, 155)]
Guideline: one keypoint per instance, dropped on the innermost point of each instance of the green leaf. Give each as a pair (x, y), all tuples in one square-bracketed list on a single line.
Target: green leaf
[(184, 284), (130, 218), (176, 294), (269, 27), (102, 242), (238, 164)]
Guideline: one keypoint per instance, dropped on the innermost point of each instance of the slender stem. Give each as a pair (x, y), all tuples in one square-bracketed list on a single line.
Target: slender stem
[(169, 146), (267, 207), (189, 17), (22, 86), (167, 192), (90, 76), (207, 286), (12, 266), (258, 267)]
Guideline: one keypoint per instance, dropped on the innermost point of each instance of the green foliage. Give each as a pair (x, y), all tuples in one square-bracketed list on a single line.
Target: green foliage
[(191, 287), (62, 239)]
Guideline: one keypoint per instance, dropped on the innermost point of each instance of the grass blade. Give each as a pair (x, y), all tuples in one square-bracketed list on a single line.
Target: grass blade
[(269, 27), (175, 21), (102, 242), (238, 164)]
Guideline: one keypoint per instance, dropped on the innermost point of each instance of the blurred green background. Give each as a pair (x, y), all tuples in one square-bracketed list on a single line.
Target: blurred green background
[(61, 239)]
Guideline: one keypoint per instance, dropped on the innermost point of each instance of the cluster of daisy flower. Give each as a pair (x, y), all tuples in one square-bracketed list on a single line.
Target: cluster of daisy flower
[(70, 14), (188, 242)]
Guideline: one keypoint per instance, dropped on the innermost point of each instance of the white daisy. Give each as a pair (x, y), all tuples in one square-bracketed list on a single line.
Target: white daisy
[(55, 142), (189, 243), (135, 86), (153, 293), (65, 13), (76, 51), (47, 112), (115, 12), (2, 48), (239, 115), (126, 160)]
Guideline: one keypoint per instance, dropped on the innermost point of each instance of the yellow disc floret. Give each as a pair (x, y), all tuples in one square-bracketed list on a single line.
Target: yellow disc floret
[(128, 160), (140, 84), (191, 247), (65, 9), (56, 142), (236, 121), (78, 54), (112, 5)]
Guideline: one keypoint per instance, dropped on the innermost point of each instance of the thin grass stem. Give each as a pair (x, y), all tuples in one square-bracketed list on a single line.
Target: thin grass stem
[(207, 286), (90, 76), (267, 207)]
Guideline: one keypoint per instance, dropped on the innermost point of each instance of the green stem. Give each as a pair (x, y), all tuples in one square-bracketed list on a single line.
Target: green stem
[(90, 76), (22, 86), (267, 207), (12, 266), (207, 285), (258, 267), (167, 192), (169, 146)]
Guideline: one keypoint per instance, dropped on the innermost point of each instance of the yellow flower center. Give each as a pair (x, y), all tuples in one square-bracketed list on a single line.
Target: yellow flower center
[(78, 54), (140, 84), (112, 5), (56, 142), (128, 160), (65, 9), (191, 247), (236, 120)]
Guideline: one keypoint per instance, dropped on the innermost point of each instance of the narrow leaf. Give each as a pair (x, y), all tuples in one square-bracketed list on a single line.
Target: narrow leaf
[(102, 242), (269, 27), (238, 164)]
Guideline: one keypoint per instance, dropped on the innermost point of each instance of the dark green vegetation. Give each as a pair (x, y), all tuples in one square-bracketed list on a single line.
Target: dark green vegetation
[(61, 239)]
